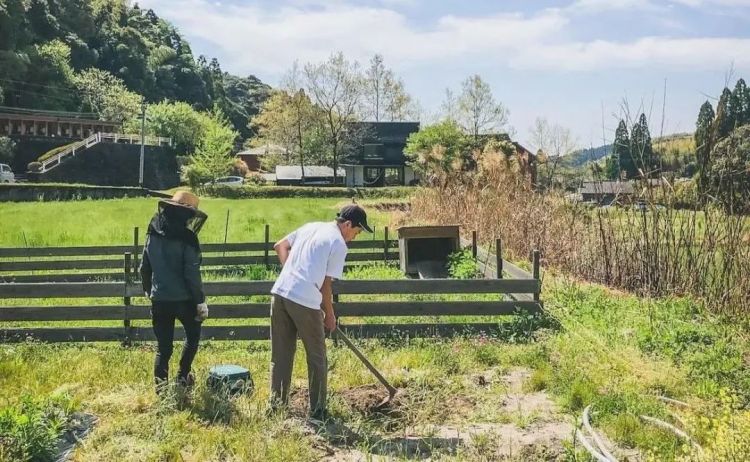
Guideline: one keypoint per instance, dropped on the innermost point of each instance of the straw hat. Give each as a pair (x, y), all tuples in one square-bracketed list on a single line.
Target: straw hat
[(183, 199)]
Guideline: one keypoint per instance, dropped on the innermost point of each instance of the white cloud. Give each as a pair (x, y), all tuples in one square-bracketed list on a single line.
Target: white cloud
[(268, 41)]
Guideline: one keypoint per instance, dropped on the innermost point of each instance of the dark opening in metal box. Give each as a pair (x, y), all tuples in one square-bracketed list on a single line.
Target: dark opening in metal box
[(424, 250)]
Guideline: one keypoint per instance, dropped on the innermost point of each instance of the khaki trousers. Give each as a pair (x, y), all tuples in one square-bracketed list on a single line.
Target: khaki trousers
[(288, 319)]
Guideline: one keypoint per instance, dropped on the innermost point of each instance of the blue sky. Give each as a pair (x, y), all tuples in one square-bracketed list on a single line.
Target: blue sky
[(572, 62)]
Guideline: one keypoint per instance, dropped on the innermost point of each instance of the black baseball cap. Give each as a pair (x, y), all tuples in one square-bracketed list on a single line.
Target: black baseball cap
[(356, 215)]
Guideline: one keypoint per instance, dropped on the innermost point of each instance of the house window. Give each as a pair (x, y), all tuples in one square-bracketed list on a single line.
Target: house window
[(372, 173), (394, 176), (371, 151)]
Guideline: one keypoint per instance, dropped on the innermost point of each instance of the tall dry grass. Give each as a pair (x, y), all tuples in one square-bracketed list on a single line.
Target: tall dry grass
[(655, 249)]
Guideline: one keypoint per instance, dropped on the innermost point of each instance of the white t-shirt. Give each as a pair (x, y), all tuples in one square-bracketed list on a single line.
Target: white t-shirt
[(318, 250)]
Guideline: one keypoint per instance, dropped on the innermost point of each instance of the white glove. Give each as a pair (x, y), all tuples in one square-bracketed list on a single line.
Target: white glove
[(202, 310)]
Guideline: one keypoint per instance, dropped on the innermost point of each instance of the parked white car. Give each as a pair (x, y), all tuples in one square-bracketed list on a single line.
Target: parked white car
[(229, 181), (6, 174)]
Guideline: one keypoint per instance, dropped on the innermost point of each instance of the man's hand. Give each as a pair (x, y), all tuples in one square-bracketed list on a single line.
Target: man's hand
[(202, 310), (330, 322)]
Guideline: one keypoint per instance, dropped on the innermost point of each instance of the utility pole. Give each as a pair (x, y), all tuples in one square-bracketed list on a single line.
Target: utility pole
[(143, 141)]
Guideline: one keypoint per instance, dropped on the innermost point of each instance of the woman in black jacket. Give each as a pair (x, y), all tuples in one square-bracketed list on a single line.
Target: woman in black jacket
[(170, 273)]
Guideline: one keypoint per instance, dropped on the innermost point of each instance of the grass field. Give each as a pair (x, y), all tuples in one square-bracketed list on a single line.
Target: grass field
[(111, 222), (464, 398)]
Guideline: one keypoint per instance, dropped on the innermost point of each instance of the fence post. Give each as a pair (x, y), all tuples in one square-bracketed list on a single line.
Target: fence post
[(126, 300), (385, 246), (265, 247), (135, 249), (474, 244), (535, 272), (499, 257)]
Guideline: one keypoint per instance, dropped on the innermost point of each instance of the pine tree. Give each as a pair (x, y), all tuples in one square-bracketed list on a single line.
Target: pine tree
[(641, 150), (736, 106), (703, 145), (621, 152), (724, 122)]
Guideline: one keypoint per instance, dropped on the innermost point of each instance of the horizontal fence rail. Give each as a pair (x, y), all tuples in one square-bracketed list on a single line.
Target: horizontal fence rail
[(257, 310), (101, 263)]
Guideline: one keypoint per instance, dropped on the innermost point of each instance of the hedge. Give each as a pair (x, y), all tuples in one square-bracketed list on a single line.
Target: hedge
[(269, 192), (33, 192)]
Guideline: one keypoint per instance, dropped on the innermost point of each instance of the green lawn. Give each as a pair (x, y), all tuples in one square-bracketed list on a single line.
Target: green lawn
[(612, 350), (111, 222)]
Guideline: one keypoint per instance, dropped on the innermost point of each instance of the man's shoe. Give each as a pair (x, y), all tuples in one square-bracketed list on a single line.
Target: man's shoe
[(187, 381)]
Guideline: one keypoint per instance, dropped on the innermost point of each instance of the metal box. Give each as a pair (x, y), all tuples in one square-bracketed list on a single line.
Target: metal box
[(423, 250)]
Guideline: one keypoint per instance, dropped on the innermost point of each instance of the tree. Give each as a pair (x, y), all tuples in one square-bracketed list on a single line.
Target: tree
[(478, 112), (336, 88), (703, 145), (449, 107), (212, 157), (106, 95), (6, 149), (730, 171), (641, 150), (737, 105), (621, 151), (378, 80), (178, 121), (438, 151), (724, 121), (552, 143), (399, 105)]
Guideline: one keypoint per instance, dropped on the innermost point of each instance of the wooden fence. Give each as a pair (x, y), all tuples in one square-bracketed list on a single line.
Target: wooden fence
[(101, 263), (392, 299)]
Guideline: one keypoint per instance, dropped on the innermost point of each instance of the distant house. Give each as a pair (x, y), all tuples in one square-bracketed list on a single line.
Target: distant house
[(379, 159), (315, 175), (253, 156), (606, 192)]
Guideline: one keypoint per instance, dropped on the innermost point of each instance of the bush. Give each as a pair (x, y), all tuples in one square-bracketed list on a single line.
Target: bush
[(6, 149), (255, 178), (256, 192), (462, 265), (30, 430), (239, 168)]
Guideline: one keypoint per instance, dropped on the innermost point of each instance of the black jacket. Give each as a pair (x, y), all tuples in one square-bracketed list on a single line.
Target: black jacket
[(170, 267)]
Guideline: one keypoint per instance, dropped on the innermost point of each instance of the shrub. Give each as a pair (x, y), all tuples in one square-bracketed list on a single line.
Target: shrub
[(270, 192), (29, 431), (255, 178), (462, 265)]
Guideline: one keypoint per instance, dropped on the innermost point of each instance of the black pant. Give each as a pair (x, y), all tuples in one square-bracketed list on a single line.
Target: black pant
[(163, 315)]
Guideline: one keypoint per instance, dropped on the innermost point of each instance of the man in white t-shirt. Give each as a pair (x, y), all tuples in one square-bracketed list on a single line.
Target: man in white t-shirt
[(302, 303)]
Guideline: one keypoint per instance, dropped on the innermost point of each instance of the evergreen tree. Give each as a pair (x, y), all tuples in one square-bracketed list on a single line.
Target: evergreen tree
[(737, 105), (621, 152), (703, 145), (724, 122), (641, 149)]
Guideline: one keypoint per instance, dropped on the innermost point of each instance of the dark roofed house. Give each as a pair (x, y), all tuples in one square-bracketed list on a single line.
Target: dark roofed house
[(315, 175), (606, 192), (253, 156), (379, 160)]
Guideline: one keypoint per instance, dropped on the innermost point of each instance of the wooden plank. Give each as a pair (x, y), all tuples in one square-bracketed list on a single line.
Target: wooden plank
[(371, 244), (66, 289), (73, 334), (370, 256), (61, 264), (436, 286), (9, 252), (365, 309), (70, 277), (62, 313), (261, 310), (234, 247), (232, 261)]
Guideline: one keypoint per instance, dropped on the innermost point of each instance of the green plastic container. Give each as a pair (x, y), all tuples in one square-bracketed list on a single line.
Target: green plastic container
[(231, 379)]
